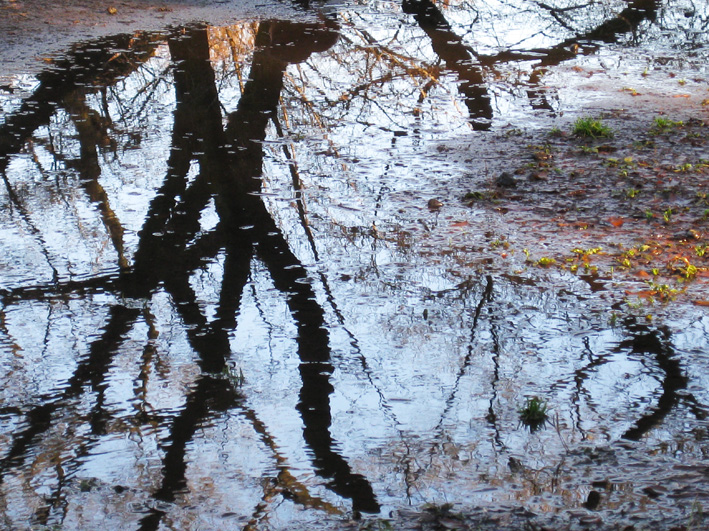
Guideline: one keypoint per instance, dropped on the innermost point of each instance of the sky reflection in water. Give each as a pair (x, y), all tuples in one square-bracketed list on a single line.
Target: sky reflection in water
[(218, 304)]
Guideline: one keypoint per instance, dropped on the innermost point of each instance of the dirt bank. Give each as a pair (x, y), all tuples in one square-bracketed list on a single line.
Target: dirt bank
[(32, 30)]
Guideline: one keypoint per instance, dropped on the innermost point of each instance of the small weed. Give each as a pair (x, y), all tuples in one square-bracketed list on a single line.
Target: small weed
[(667, 215), (589, 269), (634, 305), (700, 250), (682, 267), (480, 196), (684, 168), (586, 252), (649, 215), (442, 511), (85, 485), (643, 144), (662, 124), (377, 525), (696, 517), (534, 411), (236, 379), (690, 271), (555, 132), (631, 193), (589, 150), (474, 196), (663, 291), (613, 320), (588, 126)]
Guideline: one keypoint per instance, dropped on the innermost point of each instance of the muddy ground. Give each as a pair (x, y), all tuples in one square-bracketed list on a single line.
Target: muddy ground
[(32, 30)]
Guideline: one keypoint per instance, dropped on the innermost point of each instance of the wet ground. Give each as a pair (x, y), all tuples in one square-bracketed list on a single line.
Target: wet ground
[(307, 272)]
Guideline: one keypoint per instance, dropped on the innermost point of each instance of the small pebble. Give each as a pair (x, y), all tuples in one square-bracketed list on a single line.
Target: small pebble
[(505, 180), (434, 204), (594, 498), (651, 493)]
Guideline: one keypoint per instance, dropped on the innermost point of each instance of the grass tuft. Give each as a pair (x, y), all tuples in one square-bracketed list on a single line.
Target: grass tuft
[(534, 411), (588, 126)]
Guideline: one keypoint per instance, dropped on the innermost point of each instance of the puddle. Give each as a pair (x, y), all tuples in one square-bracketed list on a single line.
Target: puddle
[(307, 273)]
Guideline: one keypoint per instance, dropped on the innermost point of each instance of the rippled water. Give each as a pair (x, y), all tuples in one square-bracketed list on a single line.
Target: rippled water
[(226, 302)]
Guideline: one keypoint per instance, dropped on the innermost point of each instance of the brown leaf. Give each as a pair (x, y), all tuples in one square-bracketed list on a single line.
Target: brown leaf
[(616, 222)]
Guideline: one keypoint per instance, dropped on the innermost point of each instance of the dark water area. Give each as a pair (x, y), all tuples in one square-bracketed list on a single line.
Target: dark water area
[(240, 289)]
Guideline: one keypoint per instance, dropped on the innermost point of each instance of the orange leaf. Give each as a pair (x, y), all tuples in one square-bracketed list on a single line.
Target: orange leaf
[(460, 224), (616, 222), (701, 303), (646, 293), (643, 294)]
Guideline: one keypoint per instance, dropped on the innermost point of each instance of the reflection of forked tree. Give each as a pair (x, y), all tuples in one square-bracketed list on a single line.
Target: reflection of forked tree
[(230, 171), (171, 247)]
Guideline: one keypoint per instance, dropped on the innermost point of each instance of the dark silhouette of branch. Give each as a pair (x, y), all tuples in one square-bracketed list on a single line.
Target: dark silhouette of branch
[(92, 129), (626, 21), (230, 172), (86, 65), (656, 343), (458, 57), (91, 371)]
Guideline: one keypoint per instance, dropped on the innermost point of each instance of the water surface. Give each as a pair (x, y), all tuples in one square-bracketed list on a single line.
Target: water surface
[(226, 302)]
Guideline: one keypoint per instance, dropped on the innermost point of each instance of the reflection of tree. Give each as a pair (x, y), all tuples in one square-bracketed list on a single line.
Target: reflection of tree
[(85, 66), (610, 31), (458, 58), (656, 343), (172, 246), (461, 58)]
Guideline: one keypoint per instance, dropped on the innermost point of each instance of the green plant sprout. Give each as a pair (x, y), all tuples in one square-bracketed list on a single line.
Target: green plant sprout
[(534, 411), (588, 126)]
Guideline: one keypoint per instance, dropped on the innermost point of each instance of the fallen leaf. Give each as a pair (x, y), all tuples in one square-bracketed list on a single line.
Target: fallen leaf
[(642, 294), (616, 222), (701, 303), (112, 10)]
